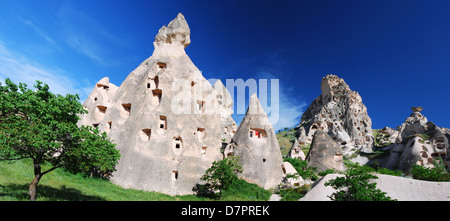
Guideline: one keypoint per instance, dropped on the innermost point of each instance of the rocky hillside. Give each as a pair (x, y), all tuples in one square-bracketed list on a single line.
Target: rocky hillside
[(339, 117)]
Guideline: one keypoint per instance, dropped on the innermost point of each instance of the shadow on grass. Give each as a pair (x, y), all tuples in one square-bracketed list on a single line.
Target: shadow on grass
[(47, 193)]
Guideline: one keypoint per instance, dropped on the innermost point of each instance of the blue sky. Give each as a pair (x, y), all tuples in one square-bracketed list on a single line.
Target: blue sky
[(396, 54)]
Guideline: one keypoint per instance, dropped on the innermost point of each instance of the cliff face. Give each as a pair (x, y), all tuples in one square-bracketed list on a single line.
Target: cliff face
[(165, 118), (340, 113)]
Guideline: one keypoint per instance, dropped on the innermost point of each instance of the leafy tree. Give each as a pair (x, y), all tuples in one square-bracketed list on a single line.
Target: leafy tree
[(222, 173), (42, 126), (355, 186)]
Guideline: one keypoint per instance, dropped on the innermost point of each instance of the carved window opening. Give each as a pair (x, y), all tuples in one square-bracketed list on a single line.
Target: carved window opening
[(201, 133), (96, 125), (203, 151), (175, 174), (156, 98), (162, 65), (106, 87), (200, 106), (145, 134), (127, 109), (152, 83), (177, 143), (163, 122), (258, 133), (110, 125), (102, 109)]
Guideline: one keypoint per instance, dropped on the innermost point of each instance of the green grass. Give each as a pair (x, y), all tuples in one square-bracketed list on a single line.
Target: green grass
[(294, 194), (286, 139), (60, 185)]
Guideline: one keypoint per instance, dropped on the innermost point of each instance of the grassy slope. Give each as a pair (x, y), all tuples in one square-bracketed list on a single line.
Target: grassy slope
[(60, 185), (286, 139)]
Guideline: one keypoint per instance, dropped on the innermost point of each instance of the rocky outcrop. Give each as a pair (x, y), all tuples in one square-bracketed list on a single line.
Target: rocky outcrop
[(340, 113), (225, 105), (165, 118), (97, 104), (325, 153), (256, 144), (419, 141), (296, 151)]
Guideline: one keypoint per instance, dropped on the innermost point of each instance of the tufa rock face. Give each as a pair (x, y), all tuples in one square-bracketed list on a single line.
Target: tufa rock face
[(324, 153), (177, 32), (419, 141), (98, 103), (164, 118), (256, 144), (225, 105), (340, 113)]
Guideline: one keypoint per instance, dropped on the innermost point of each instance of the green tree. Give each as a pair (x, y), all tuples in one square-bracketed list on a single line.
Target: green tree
[(42, 126), (355, 186), (222, 173)]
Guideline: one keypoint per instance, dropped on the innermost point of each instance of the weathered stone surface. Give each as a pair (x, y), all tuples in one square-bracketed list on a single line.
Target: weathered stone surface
[(417, 109), (296, 151), (419, 141), (256, 144), (325, 153), (288, 169), (97, 104), (225, 105), (164, 118), (340, 113)]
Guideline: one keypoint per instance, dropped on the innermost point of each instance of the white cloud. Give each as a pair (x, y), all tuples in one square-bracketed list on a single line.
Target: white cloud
[(19, 68), (38, 31)]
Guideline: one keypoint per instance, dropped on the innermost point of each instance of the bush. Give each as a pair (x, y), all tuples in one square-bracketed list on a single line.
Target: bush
[(293, 194), (355, 186), (302, 168), (436, 173)]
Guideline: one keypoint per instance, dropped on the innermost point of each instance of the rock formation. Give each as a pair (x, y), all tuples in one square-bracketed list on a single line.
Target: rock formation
[(291, 182), (419, 141), (340, 113), (165, 118), (325, 153), (256, 144), (225, 105), (97, 104), (296, 151)]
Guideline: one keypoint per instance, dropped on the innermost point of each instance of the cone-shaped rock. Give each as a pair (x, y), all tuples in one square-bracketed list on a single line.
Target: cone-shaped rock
[(256, 144), (164, 119), (340, 113), (324, 153)]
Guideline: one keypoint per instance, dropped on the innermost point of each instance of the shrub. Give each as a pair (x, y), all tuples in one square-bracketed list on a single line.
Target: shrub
[(220, 176), (436, 173), (355, 186), (302, 168), (293, 194)]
